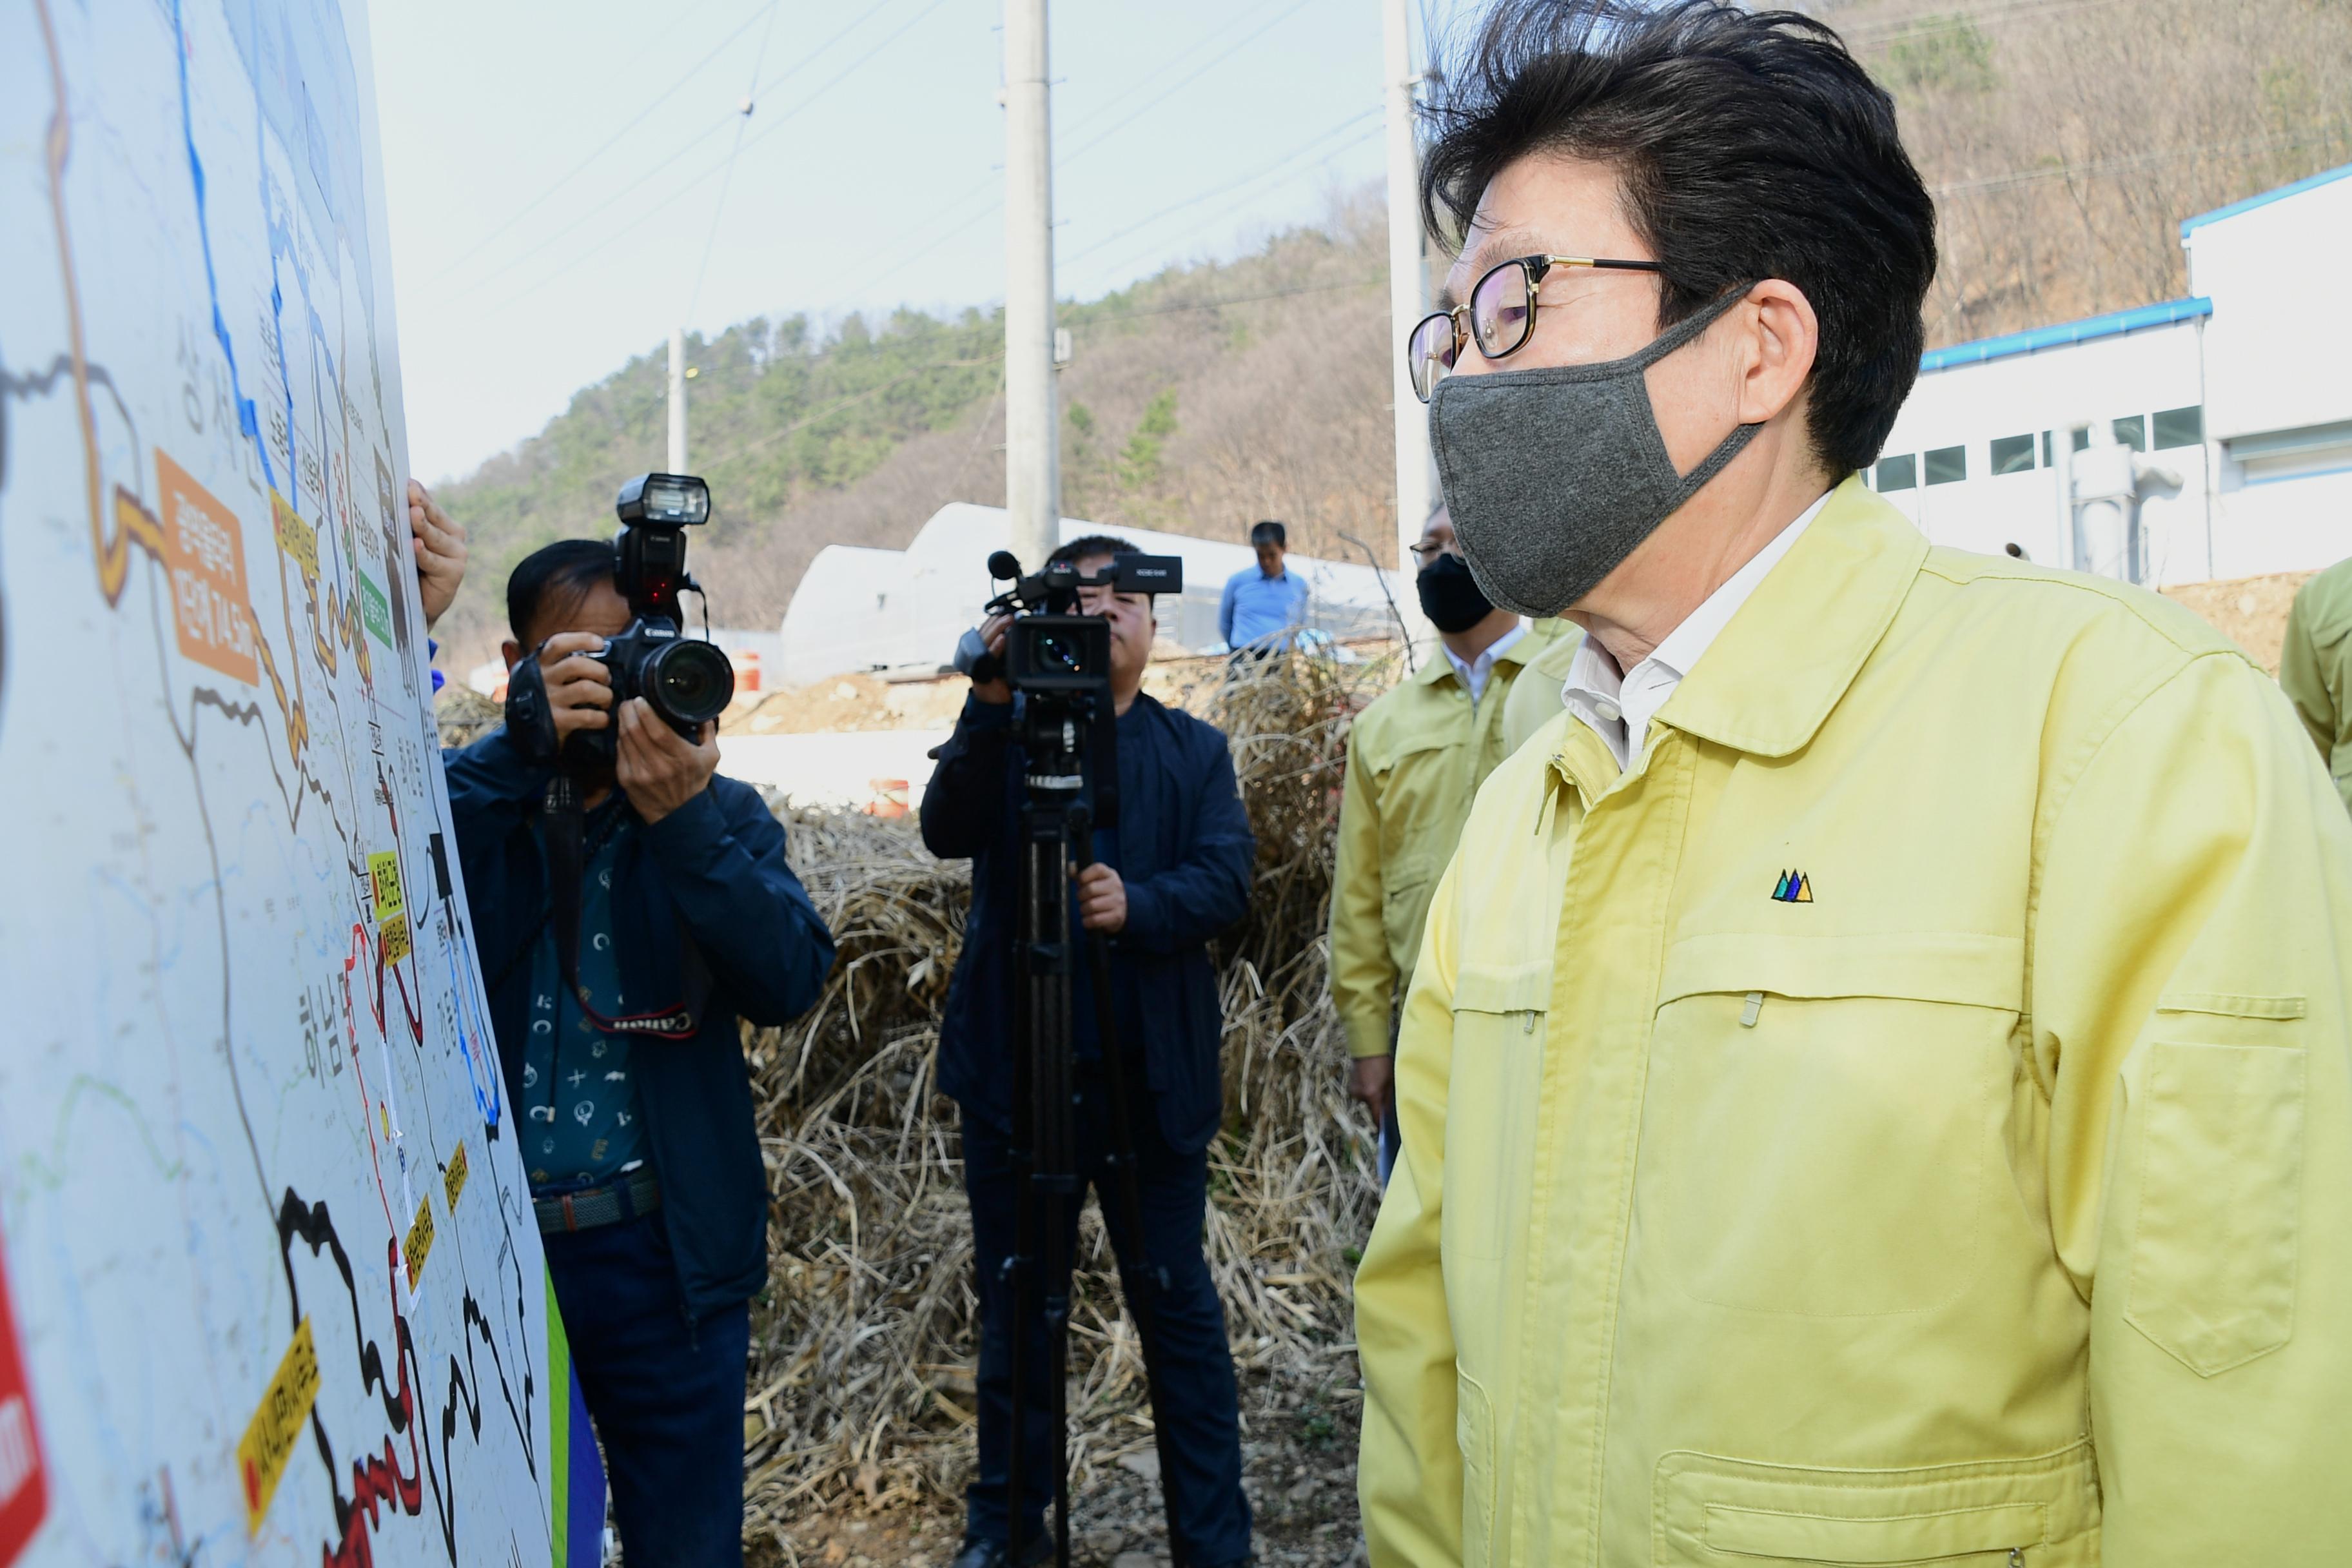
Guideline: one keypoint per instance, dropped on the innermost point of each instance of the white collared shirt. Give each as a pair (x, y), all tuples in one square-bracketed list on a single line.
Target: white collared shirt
[(1619, 708), (1474, 674)]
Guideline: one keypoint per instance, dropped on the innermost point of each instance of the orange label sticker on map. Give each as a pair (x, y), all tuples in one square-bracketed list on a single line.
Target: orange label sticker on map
[(453, 1179), (420, 1240), (393, 941), (295, 537), (203, 549), (270, 1436)]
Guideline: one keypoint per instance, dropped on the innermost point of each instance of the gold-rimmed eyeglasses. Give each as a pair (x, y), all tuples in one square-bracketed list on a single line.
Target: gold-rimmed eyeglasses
[(1500, 313)]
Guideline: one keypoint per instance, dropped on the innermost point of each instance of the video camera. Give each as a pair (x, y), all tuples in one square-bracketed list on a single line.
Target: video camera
[(687, 681), (1050, 650)]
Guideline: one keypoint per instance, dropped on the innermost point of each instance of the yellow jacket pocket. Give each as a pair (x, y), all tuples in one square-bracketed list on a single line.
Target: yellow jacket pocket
[(1738, 1513), (2221, 1156)]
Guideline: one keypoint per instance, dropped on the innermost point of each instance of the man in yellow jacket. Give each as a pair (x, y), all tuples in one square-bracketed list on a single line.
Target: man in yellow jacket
[(2315, 667), (1876, 1086), (1416, 757)]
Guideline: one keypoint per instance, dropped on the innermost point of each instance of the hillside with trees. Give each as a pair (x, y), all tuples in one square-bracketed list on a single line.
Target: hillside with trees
[(2063, 139)]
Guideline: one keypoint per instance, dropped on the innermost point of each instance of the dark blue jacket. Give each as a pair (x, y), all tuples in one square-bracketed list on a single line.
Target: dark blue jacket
[(1185, 854), (715, 869)]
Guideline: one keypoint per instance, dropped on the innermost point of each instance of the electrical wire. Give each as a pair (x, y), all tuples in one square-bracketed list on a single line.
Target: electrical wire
[(727, 180), (616, 197), (607, 145), (1278, 163), (931, 234), (934, 237), (1149, 104)]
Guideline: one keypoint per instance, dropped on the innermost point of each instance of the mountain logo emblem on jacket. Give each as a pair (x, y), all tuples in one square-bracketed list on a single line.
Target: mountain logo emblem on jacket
[(1793, 888)]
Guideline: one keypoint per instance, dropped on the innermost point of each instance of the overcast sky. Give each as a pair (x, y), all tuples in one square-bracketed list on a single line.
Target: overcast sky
[(554, 186)]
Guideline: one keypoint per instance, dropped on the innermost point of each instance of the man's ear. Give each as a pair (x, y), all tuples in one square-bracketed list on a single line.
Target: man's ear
[(1783, 343), (511, 651)]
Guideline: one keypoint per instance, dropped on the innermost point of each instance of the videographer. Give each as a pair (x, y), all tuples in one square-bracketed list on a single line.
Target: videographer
[(1174, 872), (629, 1094)]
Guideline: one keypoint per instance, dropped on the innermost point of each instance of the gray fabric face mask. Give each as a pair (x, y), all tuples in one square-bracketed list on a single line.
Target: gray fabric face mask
[(1553, 475)]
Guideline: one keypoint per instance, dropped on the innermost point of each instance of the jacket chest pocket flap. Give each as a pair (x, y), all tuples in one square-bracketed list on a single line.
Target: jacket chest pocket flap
[(1822, 1120)]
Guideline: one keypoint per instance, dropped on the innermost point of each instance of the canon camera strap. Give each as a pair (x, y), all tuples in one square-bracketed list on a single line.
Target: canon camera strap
[(564, 832)]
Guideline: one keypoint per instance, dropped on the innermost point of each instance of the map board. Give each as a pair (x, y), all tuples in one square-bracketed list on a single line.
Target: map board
[(271, 1290)]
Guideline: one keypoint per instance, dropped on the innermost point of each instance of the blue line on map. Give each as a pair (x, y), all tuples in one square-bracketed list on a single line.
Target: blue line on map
[(281, 243), (486, 1103), (248, 420)]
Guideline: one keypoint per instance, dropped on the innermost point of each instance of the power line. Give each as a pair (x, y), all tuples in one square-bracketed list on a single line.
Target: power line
[(727, 180), (1278, 163), (928, 232), (935, 238), (2117, 165), (1092, 317), (1172, 62), (1150, 104), (615, 198), (607, 145)]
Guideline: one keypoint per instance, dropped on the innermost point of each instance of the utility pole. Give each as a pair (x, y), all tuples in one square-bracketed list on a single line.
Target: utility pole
[(676, 400), (1408, 300), (1033, 459)]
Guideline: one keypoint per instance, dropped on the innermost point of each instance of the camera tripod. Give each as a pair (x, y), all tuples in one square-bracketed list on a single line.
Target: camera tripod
[(1057, 840)]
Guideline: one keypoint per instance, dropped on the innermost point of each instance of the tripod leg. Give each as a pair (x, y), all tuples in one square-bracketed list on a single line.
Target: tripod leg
[(1141, 1281)]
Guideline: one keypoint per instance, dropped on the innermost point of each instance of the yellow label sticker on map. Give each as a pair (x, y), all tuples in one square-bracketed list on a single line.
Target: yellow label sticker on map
[(295, 537), (383, 879), (420, 1240), (270, 1436), (391, 939), (453, 1179)]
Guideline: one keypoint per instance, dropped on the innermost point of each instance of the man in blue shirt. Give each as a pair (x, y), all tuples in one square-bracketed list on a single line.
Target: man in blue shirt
[(1262, 607), (632, 1104), (1174, 872)]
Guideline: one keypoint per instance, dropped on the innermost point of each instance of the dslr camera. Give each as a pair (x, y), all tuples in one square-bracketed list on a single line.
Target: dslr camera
[(687, 681), (1050, 650)]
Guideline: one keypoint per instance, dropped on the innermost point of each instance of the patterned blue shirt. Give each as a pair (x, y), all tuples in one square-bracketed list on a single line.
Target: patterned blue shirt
[(584, 1125), (1255, 605)]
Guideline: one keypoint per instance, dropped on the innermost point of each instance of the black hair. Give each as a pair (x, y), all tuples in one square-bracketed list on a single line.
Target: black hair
[(1750, 144), (1078, 550), (569, 567), (1270, 532)]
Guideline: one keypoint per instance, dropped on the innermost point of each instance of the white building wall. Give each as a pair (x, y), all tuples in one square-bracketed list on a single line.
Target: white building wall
[(2130, 377), (2260, 352), (2281, 338), (860, 609)]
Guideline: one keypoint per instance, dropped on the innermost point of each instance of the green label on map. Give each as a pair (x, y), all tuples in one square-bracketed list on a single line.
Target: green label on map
[(375, 610)]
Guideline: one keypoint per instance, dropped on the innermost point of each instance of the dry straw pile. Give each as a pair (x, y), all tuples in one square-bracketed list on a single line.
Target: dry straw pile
[(861, 1388)]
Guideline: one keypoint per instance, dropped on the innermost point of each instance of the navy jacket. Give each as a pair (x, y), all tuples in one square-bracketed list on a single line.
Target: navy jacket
[(1185, 854), (715, 869)]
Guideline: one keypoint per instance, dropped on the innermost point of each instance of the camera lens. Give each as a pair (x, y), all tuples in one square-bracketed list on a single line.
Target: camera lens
[(689, 682), (1055, 653)]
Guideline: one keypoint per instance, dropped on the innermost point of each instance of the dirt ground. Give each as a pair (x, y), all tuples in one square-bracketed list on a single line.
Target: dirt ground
[(2250, 611), (1299, 1470), (846, 702)]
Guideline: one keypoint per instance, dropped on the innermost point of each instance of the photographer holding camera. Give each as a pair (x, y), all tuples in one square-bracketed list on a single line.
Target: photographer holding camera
[(630, 905), (1175, 871)]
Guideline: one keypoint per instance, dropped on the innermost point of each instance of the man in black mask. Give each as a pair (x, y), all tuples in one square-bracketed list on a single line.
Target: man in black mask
[(1415, 760)]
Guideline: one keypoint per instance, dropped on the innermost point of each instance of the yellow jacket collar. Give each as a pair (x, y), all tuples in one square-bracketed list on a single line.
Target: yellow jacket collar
[(1786, 659)]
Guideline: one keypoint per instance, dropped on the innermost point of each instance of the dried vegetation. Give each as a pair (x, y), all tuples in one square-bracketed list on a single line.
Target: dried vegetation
[(861, 1389)]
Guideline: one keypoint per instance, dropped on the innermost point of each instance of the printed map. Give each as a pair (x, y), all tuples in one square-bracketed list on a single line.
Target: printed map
[(269, 1287)]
